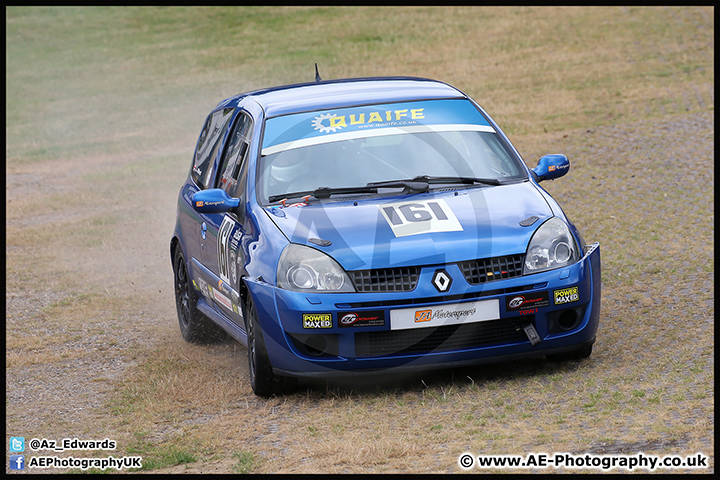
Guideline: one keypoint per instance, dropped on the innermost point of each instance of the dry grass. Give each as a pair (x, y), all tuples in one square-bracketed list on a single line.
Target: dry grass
[(102, 113)]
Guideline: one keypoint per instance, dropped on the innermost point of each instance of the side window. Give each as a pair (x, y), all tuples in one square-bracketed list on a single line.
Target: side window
[(235, 153), (208, 145)]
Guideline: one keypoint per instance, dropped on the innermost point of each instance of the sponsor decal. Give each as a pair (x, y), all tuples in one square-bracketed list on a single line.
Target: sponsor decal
[(225, 288), (440, 314), (314, 128), (412, 218), (361, 319), (201, 203), (223, 246), (204, 288), (222, 299), (449, 314), (566, 295), (233, 270), (458, 314), (330, 122), (527, 301), (317, 320)]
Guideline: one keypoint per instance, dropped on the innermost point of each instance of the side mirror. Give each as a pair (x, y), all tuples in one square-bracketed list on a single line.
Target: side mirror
[(214, 200), (550, 167)]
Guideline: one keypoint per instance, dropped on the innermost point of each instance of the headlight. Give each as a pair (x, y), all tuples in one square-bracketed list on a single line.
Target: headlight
[(304, 269), (552, 246)]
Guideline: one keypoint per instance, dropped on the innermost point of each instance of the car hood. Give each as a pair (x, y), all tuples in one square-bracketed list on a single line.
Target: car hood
[(421, 229)]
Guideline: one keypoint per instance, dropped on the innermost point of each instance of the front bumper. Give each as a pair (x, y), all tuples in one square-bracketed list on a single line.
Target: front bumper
[(303, 335)]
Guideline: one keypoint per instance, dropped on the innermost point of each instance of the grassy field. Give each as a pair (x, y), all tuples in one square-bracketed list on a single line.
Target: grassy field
[(103, 107)]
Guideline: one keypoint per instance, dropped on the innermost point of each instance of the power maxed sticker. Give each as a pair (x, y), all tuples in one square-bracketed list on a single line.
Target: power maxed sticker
[(566, 295), (317, 320)]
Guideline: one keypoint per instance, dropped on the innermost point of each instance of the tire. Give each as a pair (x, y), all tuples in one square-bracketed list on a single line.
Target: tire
[(263, 380), (194, 326), (578, 354)]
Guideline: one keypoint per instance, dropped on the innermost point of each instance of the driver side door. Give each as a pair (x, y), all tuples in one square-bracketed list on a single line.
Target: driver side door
[(221, 258)]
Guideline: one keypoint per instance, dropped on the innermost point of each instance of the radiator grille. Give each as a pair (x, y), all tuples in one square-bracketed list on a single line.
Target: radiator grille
[(489, 269), (402, 279), (405, 279)]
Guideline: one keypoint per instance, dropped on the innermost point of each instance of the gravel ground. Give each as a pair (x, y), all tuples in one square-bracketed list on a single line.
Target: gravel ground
[(626, 182)]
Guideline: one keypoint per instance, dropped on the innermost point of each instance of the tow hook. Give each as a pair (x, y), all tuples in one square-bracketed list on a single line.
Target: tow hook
[(531, 333)]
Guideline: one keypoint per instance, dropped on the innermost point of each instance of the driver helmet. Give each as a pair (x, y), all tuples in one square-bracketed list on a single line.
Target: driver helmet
[(287, 167)]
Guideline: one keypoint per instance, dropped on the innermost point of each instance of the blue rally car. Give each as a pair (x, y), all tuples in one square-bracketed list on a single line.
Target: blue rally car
[(380, 224)]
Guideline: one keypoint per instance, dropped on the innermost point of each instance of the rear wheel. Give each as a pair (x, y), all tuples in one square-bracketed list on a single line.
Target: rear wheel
[(263, 380), (194, 326)]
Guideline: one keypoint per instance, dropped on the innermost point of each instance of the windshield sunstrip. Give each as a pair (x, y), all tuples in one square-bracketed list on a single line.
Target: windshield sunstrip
[(311, 128), (370, 133)]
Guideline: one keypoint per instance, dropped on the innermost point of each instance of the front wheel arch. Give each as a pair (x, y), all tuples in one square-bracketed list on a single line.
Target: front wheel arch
[(263, 380)]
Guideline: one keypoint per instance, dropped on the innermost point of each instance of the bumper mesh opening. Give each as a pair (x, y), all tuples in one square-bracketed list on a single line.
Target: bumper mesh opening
[(439, 339)]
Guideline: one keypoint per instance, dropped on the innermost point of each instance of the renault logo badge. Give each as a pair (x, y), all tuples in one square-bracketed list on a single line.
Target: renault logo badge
[(442, 280)]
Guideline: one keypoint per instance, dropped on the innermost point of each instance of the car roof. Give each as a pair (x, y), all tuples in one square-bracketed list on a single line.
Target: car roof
[(328, 94)]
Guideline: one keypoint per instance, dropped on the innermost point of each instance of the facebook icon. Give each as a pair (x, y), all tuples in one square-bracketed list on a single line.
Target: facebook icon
[(17, 462)]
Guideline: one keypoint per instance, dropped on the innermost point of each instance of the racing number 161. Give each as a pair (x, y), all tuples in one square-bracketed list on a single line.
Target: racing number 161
[(413, 218), (414, 212)]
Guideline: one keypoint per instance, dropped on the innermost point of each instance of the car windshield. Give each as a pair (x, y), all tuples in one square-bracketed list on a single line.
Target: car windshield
[(354, 147)]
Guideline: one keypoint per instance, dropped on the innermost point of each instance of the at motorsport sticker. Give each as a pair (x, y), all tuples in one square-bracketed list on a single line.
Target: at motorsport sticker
[(452, 314), (317, 320), (361, 319), (527, 300), (566, 295), (413, 218)]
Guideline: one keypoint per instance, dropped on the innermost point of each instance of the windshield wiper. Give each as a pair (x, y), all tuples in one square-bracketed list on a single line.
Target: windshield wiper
[(323, 192), (421, 183), (418, 184)]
